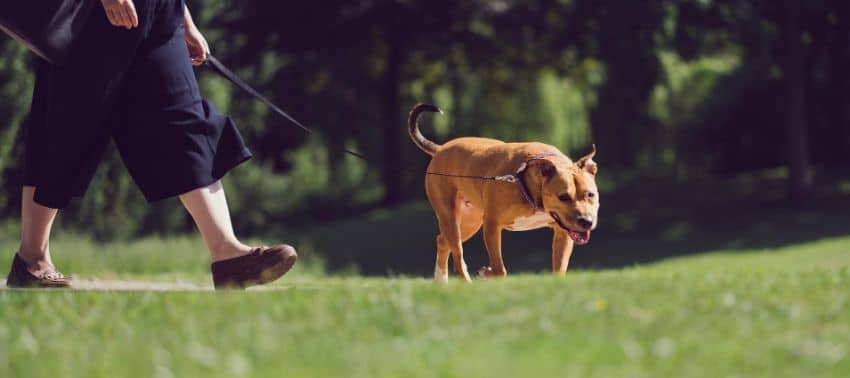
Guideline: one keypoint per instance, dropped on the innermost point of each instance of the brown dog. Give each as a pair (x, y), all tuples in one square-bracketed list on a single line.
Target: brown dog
[(528, 186)]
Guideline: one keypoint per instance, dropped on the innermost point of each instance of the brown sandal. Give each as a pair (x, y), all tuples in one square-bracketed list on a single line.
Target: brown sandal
[(20, 277), (261, 266)]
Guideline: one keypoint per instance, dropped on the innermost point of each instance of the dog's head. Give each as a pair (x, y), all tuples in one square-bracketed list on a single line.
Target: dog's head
[(569, 195)]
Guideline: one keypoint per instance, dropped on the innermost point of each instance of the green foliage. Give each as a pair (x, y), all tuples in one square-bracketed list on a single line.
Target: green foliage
[(686, 85), (16, 82), (563, 105), (679, 104), (681, 89)]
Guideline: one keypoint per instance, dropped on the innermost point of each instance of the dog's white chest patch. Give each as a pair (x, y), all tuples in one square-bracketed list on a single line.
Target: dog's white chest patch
[(531, 222)]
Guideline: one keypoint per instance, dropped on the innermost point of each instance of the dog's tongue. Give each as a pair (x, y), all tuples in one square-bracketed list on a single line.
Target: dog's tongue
[(580, 237)]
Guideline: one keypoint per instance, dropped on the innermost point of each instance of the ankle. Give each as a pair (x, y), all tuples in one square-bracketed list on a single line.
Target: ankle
[(34, 255), (228, 249), (35, 260)]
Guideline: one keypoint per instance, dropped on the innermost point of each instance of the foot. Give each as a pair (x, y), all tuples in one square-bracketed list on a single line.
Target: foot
[(261, 266), (488, 272), (464, 275), (462, 272), (21, 277), (230, 249)]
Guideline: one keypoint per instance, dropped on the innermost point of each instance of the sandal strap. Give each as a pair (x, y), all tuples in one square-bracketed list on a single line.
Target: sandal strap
[(52, 274)]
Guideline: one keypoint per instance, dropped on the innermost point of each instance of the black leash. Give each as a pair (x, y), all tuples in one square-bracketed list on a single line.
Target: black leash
[(222, 70)]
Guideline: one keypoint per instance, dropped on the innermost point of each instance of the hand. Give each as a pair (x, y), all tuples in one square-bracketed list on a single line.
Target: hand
[(199, 49), (121, 13)]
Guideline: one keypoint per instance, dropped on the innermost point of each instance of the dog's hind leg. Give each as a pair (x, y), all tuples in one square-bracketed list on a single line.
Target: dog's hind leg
[(448, 241), (442, 201), (458, 221), (441, 268), (453, 232), (470, 219), (468, 228), (450, 233)]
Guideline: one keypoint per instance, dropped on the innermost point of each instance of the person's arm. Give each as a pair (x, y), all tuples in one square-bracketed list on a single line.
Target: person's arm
[(199, 49)]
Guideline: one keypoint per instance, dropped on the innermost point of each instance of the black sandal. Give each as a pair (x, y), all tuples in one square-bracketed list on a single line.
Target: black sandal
[(20, 277), (261, 266)]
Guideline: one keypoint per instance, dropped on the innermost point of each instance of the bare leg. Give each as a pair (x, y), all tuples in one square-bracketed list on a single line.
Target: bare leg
[(36, 223), (208, 207)]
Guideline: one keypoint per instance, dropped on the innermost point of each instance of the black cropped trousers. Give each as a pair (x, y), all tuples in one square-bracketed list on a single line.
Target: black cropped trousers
[(136, 87)]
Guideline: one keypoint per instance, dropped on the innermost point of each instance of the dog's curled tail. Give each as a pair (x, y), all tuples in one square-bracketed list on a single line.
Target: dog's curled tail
[(423, 143)]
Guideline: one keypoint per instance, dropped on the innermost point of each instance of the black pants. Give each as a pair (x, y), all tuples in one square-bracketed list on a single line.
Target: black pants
[(134, 86)]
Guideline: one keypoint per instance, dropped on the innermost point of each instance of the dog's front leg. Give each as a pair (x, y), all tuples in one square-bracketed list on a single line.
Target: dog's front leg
[(493, 242), (562, 249)]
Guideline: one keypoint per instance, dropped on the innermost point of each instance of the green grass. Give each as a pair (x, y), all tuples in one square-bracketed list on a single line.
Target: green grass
[(774, 312), (714, 279)]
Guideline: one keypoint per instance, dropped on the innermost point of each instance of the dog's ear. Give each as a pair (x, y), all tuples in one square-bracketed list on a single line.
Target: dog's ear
[(547, 168), (587, 163)]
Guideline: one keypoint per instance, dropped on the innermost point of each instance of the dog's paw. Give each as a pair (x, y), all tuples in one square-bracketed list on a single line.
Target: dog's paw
[(487, 272), (482, 273), (440, 277)]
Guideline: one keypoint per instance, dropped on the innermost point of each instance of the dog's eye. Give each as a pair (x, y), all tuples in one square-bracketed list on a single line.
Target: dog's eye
[(565, 197), (590, 194)]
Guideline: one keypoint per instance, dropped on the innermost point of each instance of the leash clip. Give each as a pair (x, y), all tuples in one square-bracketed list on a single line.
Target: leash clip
[(506, 178)]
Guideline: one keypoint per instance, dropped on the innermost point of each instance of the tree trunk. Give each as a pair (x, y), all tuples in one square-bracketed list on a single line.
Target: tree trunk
[(840, 79), (393, 121), (797, 152)]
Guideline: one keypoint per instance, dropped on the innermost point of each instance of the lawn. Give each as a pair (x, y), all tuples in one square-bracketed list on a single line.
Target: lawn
[(767, 312), (737, 283)]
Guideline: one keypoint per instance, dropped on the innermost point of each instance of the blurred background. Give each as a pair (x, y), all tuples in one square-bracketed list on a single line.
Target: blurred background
[(720, 124)]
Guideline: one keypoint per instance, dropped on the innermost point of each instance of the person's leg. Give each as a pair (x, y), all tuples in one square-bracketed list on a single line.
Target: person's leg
[(235, 265), (196, 147), (208, 207), (36, 222)]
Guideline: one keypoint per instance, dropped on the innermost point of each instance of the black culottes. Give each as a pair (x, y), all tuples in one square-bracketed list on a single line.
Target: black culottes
[(138, 88)]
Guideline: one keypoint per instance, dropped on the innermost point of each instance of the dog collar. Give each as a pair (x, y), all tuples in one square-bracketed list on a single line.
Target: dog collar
[(518, 178), (523, 189)]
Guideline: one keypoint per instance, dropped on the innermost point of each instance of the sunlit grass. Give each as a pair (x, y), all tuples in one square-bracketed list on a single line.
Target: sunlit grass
[(778, 312)]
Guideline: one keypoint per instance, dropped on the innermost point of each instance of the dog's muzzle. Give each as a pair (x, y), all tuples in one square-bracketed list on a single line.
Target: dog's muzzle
[(580, 237)]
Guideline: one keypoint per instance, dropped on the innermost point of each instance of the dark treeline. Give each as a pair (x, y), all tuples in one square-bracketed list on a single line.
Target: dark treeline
[(685, 89)]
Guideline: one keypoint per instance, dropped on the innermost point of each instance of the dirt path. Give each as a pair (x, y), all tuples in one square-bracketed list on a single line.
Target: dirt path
[(127, 285)]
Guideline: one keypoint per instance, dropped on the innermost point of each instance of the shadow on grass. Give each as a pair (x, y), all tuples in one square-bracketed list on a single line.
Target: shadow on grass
[(641, 221)]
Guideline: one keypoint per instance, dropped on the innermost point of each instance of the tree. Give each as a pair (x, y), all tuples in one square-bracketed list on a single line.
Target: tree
[(797, 152)]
